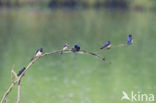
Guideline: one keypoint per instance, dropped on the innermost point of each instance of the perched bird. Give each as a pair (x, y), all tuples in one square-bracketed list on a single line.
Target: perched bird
[(76, 48), (21, 71), (38, 53), (65, 47), (130, 40), (106, 45)]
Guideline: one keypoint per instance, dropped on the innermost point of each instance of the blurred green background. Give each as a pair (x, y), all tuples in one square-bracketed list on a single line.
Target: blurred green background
[(78, 78)]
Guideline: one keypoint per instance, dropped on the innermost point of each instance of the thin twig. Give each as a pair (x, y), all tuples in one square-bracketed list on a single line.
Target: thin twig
[(7, 92), (114, 46), (92, 53)]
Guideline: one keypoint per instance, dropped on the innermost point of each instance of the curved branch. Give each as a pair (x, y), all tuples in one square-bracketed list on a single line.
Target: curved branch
[(18, 80), (7, 92)]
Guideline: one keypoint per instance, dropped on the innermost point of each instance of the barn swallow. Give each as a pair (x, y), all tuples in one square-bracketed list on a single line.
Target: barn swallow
[(38, 53), (129, 40), (65, 47), (106, 45), (76, 48), (21, 71)]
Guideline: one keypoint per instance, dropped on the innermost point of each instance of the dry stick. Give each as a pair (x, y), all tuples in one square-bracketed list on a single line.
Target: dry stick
[(117, 46), (10, 88), (19, 92), (18, 80), (122, 45), (93, 54), (13, 74), (7, 92)]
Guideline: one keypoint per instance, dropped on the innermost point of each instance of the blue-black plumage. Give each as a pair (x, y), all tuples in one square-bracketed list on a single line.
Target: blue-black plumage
[(21, 71), (39, 52), (76, 48), (129, 40), (106, 45)]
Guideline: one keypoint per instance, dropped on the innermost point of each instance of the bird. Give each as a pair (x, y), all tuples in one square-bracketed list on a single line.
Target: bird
[(65, 47), (129, 40), (106, 45), (21, 71), (38, 53), (125, 96), (76, 48)]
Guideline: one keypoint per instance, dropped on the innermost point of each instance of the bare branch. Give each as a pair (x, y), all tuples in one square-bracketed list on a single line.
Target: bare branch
[(92, 53), (19, 92), (13, 73), (18, 79), (7, 92)]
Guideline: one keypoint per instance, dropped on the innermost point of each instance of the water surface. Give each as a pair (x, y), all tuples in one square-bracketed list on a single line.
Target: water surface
[(76, 78)]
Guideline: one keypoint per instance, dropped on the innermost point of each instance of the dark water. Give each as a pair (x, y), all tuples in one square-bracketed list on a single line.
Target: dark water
[(77, 78)]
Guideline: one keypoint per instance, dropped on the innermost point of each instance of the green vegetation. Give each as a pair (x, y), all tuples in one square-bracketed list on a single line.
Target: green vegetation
[(138, 4)]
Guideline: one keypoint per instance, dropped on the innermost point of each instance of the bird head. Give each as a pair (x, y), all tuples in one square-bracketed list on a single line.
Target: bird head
[(130, 35), (77, 47), (41, 49), (108, 42)]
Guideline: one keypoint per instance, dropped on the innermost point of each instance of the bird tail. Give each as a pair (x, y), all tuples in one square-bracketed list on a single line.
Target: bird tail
[(102, 47), (32, 58)]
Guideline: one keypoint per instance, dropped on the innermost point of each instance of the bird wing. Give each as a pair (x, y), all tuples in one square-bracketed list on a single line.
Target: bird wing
[(105, 45), (36, 51)]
